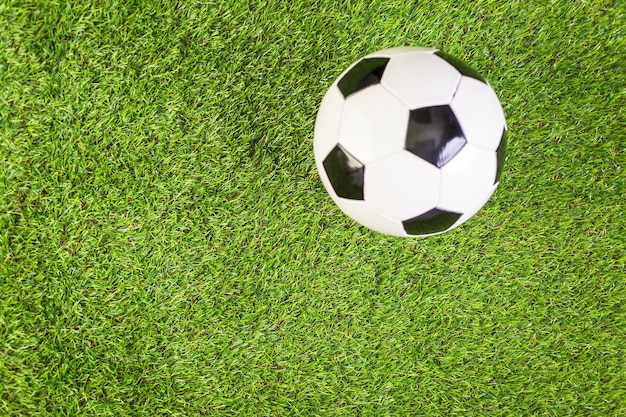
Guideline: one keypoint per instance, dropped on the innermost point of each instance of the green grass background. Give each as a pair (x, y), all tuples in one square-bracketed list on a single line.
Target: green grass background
[(166, 247)]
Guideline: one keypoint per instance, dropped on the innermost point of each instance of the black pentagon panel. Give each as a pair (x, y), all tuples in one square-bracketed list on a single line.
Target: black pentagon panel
[(434, 134), (345, 173), (501, 155), (366, 72), (461, 66), (433, 221)]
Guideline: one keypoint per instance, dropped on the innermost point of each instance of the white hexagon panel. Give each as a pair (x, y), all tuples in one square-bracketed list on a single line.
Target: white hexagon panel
[(327, 123), (479, 113), (421, 79), (471, 212), (467, 179), (402, 185), (367, 215), (410, 141), (373, 124)]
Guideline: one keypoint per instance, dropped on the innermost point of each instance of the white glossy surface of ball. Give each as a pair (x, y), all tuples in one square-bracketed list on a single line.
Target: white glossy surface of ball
[(410, 141)]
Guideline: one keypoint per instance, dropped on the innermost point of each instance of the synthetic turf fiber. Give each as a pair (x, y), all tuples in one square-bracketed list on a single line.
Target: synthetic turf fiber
[(167, 248)]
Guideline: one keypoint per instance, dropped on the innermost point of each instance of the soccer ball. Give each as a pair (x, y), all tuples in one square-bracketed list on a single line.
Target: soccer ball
[(410, 141)]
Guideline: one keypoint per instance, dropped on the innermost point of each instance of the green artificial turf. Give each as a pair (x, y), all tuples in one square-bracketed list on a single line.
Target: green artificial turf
[(167, 248)]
